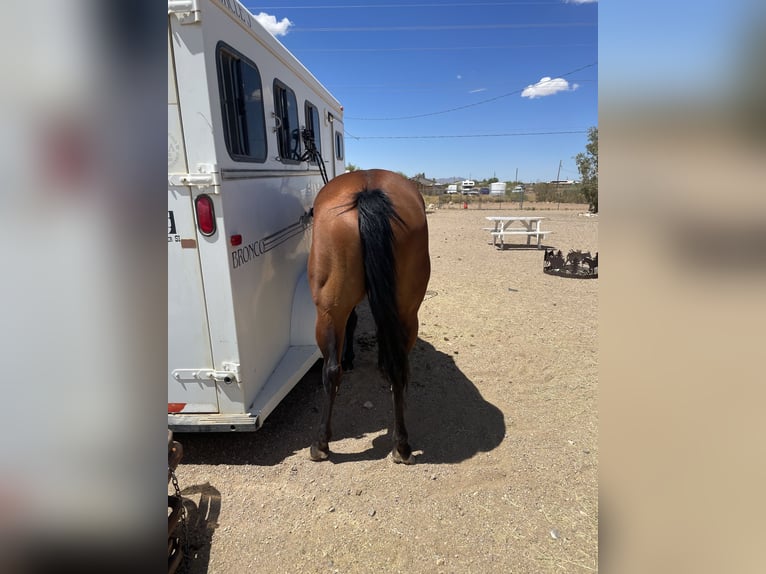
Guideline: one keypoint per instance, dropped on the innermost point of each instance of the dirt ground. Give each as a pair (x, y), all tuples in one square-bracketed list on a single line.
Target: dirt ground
[(502, 415)]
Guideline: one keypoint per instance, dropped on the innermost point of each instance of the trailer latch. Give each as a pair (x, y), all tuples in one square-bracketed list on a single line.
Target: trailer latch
[(207, 175), (187, 11), (229, 374)]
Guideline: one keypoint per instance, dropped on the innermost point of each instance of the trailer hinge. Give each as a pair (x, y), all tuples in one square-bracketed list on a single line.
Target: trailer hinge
[(206, 176), (187, 11), (229, 374)]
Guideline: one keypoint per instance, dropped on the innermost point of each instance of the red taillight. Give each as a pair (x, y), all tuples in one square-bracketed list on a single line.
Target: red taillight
[(205, 215), (236, 240), (68, 153)]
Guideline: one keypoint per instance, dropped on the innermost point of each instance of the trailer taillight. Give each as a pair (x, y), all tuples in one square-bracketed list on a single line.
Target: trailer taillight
[(205, 214)]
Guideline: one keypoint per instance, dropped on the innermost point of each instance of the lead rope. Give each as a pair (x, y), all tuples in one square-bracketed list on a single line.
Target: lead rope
[(312, 153)]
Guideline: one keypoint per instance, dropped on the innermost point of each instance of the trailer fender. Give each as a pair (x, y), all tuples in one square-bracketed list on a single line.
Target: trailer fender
[(303, 320)]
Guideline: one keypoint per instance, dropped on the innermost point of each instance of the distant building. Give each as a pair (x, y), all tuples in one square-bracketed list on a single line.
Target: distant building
[(497, 188), (426, 186)]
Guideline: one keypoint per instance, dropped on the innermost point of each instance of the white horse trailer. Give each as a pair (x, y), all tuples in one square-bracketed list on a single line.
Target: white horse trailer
[(241, 186)]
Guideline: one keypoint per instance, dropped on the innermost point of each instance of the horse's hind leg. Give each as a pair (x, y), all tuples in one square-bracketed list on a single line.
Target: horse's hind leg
[(348, 342), (329, 339), (402, 452)]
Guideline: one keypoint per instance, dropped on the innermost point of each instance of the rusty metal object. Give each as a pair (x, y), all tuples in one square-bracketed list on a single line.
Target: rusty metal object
[(577, 264), (175, 454), (176, 512)]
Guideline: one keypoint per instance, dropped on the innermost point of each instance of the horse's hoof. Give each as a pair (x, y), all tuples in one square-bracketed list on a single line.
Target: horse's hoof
[(399, 459), (316, 454)]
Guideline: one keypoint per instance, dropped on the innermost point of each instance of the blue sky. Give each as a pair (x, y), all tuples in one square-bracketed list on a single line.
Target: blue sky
[(691, 53), (449, 88)]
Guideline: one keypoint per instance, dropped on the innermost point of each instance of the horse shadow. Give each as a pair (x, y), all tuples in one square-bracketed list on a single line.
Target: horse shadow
[(201, 523), (447, 418)]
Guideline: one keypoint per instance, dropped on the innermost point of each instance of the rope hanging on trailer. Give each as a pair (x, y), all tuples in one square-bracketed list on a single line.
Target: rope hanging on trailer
[(312, 153)]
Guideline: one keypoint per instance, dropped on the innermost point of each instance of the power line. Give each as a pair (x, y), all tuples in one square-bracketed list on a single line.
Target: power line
[(444, 48), (447, 27), (400, 6), (452, 136), (440, 87), (467, 105)]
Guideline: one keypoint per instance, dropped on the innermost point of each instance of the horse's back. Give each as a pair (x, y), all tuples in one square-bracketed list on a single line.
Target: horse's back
[(341, 190), (332, 208)]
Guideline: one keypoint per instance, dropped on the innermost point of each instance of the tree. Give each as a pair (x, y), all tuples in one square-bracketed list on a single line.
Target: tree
[(587, 165), (352, 167)]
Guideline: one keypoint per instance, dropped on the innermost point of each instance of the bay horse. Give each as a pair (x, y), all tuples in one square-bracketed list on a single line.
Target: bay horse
[(370, 238)]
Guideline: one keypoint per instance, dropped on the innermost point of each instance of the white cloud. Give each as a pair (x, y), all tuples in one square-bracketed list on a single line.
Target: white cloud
[(547, 87), (272, 26), (580, 1), (459, 77), (477, 90)]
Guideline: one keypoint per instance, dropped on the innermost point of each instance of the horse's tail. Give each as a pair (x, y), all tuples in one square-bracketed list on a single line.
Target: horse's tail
[(376, 214)]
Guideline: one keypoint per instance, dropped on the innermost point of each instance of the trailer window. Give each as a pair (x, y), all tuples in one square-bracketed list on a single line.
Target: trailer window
[(288, 130), (244, 124), (339, 146), (313, 124)]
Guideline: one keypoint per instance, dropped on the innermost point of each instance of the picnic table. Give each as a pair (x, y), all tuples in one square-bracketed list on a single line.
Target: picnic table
[(505, 226)]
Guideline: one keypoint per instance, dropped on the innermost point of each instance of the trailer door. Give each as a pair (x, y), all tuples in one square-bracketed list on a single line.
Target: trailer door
[(189, 349)]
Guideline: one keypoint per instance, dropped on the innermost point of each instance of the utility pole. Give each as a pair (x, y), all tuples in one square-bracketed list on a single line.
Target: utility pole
[(558, 175), (516, 182)]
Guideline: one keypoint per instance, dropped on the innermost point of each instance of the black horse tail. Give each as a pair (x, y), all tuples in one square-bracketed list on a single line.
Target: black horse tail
[(376, 214)]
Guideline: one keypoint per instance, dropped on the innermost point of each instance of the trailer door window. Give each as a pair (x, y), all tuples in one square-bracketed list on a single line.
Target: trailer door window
[(312, 123), (244, 124), (339, 146), (288, 130)]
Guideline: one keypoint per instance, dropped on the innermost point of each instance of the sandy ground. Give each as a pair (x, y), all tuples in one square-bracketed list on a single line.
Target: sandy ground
[(502, 415)]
